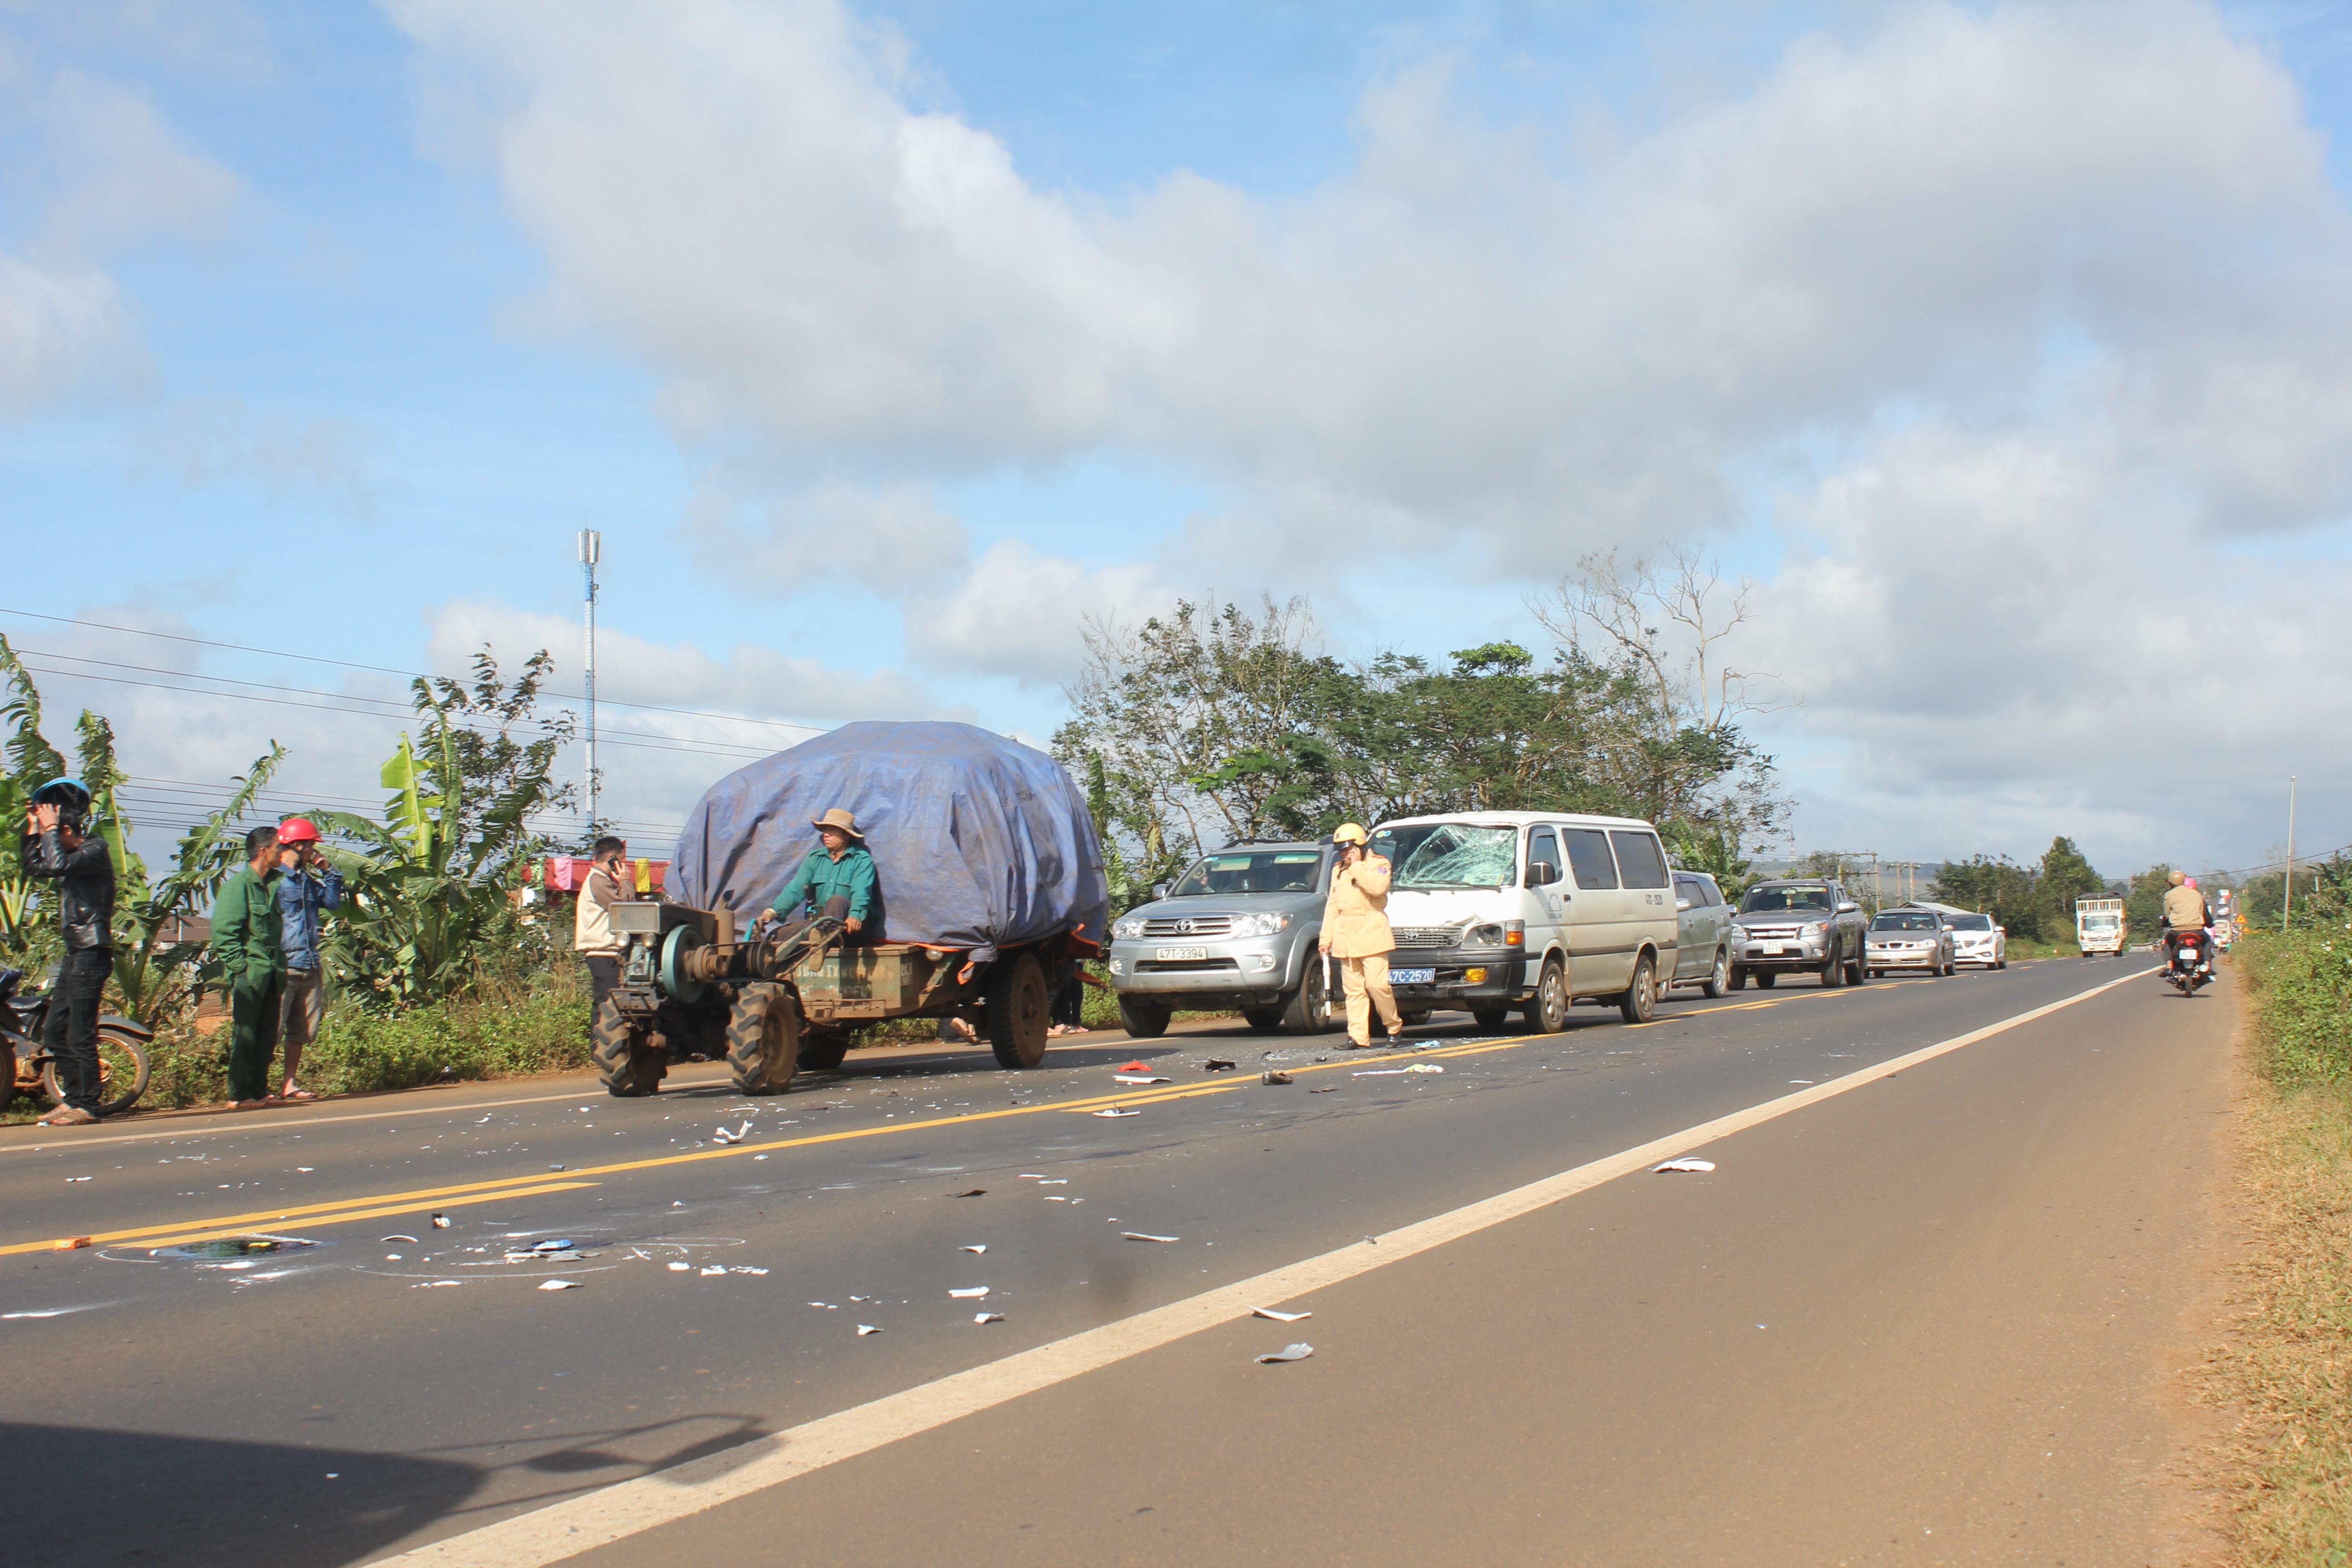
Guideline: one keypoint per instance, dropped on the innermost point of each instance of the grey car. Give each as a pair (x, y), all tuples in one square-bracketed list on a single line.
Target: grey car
[(1799, 925), (1236, 930), (1703, 935), (1912, 939)]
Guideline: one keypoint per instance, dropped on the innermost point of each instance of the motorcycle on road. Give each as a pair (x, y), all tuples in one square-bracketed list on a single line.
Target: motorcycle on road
[(2188, 961), (121, 1052)]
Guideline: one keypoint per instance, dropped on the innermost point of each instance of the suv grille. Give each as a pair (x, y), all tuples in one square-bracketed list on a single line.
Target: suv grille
[(1771, 933), (1190, 925), (1424, 936)]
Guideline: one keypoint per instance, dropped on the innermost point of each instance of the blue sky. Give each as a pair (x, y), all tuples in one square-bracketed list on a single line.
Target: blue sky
[(379, 348)]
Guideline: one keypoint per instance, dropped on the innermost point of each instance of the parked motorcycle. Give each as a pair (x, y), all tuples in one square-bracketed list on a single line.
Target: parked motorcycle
[(122, 1051), (2189, 961)]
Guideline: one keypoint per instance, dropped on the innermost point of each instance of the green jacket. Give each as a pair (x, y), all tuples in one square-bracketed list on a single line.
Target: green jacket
[(821, 877), (246, 927)]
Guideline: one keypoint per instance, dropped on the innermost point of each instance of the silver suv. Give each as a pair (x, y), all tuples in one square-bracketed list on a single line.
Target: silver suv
[(1799, 925), (1237, 931)]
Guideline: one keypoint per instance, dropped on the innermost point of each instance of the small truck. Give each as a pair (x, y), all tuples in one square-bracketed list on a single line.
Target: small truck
[(2099, 926), (990, 882)]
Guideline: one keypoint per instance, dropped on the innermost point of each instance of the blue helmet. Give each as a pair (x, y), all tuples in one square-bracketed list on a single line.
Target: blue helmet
[(68, 792)]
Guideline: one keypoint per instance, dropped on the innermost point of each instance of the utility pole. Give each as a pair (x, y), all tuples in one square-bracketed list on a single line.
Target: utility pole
[(590, 547), (2286, 910)]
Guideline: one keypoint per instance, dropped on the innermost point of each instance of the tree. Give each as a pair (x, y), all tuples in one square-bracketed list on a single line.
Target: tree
[(430, 881), (2144, 905), (2066, 877), (1999, 886)]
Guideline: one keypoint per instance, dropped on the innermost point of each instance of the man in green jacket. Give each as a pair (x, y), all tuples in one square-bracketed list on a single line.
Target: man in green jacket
[(836, 881), (246, 939)]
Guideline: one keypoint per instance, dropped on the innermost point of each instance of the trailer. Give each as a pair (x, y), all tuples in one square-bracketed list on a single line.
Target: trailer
[(2099, 926), (990, 882)]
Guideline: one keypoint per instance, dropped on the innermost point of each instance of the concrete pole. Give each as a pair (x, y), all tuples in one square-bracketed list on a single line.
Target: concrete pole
[(590, 548), (2286, 911)]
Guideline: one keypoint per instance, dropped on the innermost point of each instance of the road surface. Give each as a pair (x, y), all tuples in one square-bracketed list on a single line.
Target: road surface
[(1920, 1312)]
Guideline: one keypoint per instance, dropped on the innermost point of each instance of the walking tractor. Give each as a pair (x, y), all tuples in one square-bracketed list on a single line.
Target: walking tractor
[(990, 886)]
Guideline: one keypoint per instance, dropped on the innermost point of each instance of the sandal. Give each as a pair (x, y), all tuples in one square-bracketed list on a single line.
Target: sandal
[(294, 1094), (67, 1116)]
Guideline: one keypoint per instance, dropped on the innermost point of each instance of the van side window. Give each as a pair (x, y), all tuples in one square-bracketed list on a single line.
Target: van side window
[(1588, 852), (1542, 846), (1639, 857)]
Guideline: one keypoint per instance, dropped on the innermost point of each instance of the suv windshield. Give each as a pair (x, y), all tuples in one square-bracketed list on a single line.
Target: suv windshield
[(1251, 871), (1449, 855), (1771, 900), (1904, 922)]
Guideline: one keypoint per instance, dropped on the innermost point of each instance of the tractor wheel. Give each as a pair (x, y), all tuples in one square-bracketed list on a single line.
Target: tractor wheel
[(1017, 1008), (763, 1038), (627, 1064)]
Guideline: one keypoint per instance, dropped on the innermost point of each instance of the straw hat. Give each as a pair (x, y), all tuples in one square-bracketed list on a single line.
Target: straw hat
[(841, 819)]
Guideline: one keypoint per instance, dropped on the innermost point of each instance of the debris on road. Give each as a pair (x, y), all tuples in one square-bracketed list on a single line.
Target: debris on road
[(1270, 1076), (746, 1269), (988, 1317), (552, 1243), (559, 1284), (1379, 1072), (714, 1268), (1054, 1181), (1424, 1067), (71, 1180), (1327, 1088), (436, 1284), (410, 1240), (1697, 1165), (1136, 1067), (1214, 1065), (1287, 1352), (440, 1221), (1138, 1078), (1115, 1110), (1138, 1236), (974, 1193), (971, 1293), (977, 1247), (1279, 1317), (679, 1268), (865, 1329), (555, 1167)]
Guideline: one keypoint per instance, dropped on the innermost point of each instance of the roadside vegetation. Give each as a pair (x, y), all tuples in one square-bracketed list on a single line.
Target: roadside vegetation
[(2284, 1374)]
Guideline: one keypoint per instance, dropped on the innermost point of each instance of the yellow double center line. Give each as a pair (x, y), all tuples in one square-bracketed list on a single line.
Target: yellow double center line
[(423, 1200)]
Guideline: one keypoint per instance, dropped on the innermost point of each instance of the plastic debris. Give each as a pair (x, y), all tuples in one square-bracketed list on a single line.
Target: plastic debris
[(1138, 1078), (758, 1156), (1270, 1076), (1115, 1110), (970, 1293), (1379, 1072), (559, 1284), (1801, 1080), (1287, 1352), (1136, 1067), (393, 1257), (1138, 1236), (555, 1167), (436, 1284), (1424, 1067), (71, 1180), (68, 1244), (714, 1268), (679, 1268), (440, 1222), (535, 1257), (1683, 1165), (552, 1243), (988, 1317), (977, 1247), (1032, 1176), (411, 1240), (974, 1193), (1213, 1065), (1279, 1317), (1056, 1182), (746, 1269), (1327, 1088), (865, 1329)]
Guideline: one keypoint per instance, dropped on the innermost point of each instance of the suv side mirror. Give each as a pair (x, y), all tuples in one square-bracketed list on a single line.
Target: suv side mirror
[(1158, 889), (1542, 873), (1682, 903), (1849, 908)]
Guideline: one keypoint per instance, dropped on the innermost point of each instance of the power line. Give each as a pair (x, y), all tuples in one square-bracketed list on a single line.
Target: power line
[(386, 670)]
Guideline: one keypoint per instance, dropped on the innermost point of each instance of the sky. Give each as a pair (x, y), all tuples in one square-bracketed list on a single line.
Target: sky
[(2006, 349)]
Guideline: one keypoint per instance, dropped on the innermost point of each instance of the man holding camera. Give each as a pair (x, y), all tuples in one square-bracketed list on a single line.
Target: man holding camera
[(54, 850), (1355, 931)]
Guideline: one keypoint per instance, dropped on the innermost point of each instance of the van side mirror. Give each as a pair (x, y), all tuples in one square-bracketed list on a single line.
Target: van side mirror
[(1542, 873), (1849, 908)]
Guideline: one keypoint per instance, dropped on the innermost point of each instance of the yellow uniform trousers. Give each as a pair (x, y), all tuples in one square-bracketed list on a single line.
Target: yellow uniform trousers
[(1366, 981)]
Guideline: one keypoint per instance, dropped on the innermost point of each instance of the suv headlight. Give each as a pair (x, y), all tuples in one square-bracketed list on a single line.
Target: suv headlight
[(1816, 930), (1128, 930), (1259, 924)]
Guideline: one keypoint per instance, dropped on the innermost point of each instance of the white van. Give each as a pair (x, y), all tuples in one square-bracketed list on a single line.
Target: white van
[(1532, 909)]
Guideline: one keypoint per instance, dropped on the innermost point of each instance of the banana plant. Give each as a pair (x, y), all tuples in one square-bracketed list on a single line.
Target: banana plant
[(32, 762)]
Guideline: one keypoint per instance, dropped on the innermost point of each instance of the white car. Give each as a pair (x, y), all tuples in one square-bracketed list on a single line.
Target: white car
[(1976, 940), (1909, 938)]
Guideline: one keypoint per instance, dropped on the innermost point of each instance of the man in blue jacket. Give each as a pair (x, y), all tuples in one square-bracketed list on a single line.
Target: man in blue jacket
[(307, 887)]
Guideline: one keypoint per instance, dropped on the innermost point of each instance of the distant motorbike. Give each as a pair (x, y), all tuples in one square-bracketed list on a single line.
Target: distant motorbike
[(2188, 961), (121, 1052)]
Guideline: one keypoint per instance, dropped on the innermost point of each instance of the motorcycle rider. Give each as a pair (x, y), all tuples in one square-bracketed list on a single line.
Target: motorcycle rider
[(54, 850), (2184, 911)]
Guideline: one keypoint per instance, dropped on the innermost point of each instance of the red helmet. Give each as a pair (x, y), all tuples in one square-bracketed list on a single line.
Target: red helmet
[(298, 830)]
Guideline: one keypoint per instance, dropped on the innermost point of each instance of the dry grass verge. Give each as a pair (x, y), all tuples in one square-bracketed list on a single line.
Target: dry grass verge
[(2284, 1373)]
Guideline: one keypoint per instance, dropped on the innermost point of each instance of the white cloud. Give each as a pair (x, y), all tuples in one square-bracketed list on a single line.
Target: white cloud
[(207, 440), (893, 539), (1019, 613)]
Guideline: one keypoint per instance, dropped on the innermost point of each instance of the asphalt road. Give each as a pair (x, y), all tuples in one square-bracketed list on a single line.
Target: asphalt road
[(1925, 1321)]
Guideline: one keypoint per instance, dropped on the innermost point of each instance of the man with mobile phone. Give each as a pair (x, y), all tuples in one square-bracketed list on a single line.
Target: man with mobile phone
[(606, 884), (55, 850), (307, 887)]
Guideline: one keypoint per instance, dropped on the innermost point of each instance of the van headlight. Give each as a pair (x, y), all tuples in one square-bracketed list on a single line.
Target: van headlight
[(1259, 924), (1128, 930), (1488, 935)]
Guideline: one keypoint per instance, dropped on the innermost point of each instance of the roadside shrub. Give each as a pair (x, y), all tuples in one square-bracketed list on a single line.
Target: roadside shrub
[(2301, 985)]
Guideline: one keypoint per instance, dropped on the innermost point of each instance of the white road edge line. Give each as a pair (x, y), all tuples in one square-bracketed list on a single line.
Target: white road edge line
[(564, 1529)]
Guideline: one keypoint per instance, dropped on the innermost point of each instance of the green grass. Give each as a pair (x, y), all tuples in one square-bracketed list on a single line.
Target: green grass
[(2286, 1371)]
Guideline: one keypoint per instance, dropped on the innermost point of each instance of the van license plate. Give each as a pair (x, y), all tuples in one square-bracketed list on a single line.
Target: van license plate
[(1182, 954), (1412, 977)]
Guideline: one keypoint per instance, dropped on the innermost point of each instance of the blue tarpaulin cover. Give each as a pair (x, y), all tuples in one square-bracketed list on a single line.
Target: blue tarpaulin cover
[(979, 842)]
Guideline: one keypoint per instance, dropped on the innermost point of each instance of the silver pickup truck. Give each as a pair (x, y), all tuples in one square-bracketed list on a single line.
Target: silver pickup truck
[(1236, 930)]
